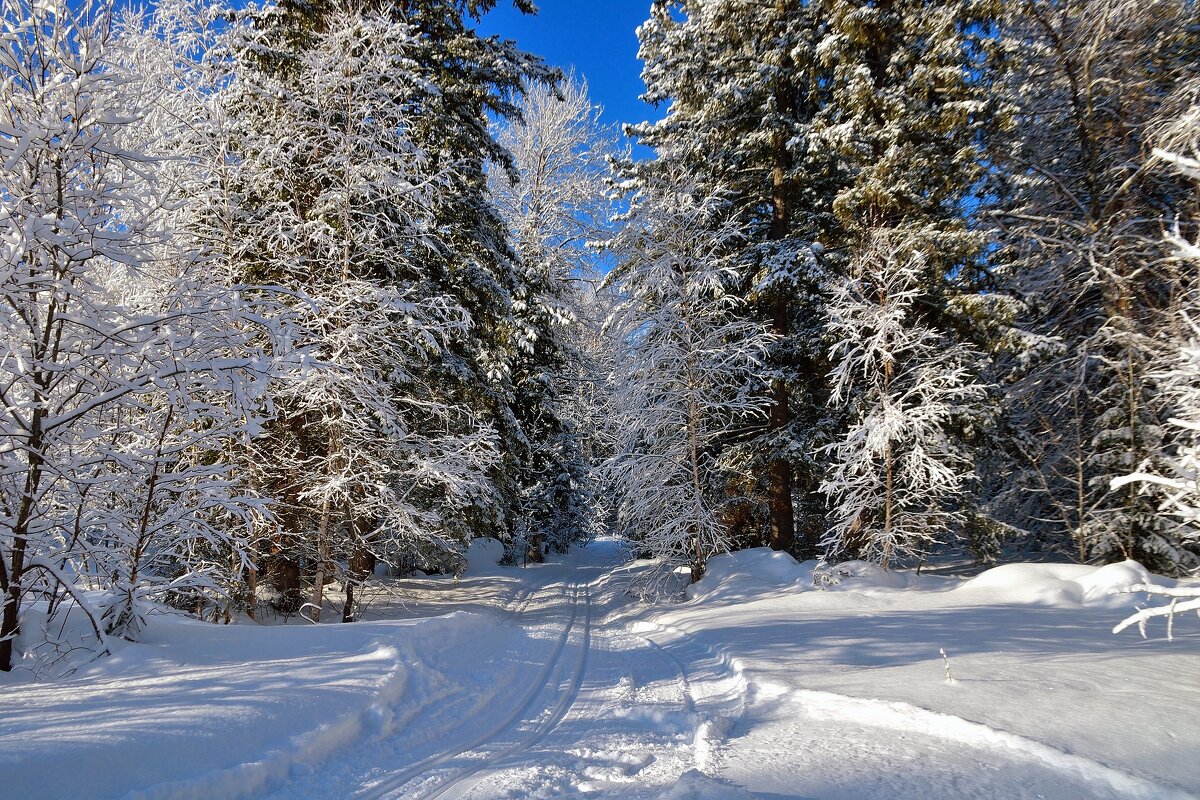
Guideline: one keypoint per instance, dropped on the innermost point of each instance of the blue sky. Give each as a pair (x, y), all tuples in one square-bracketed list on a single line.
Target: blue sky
[(597, 39)]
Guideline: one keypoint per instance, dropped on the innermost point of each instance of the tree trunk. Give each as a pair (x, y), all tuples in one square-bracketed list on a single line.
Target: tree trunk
[(362, 565), (318, 592), (783, 521), (10, 576), (283, 576)]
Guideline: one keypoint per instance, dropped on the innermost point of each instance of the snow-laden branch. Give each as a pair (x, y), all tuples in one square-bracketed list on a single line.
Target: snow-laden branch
[(1191, 596)]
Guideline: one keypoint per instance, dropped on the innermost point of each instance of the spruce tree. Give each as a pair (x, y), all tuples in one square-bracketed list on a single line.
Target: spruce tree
[(906, 114), (742, 85), (376, 137)]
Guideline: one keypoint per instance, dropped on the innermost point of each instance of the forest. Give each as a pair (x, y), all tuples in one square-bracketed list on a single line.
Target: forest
[(299, 293)]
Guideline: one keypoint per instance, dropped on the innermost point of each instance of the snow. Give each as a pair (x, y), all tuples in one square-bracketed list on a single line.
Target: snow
[(727, 576), (551, 681), (1060, 584), (483, 556)]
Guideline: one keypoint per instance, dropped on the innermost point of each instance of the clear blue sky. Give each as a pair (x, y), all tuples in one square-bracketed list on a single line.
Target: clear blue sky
[(597, 39)]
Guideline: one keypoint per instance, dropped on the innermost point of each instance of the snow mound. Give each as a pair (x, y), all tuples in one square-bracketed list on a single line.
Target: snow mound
[(483, 556), (695, 785), (860, 575), (746, 573), (1060, 584)]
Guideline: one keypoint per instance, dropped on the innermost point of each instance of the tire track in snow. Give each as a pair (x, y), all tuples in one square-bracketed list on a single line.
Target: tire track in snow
[(510, 722)]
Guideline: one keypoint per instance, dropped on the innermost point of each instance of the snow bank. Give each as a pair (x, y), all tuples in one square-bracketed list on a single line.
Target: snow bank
[(695, 785), (1067, 585), (483, 556), (859, 575), (212, 712), (748, 574), (740, 575)]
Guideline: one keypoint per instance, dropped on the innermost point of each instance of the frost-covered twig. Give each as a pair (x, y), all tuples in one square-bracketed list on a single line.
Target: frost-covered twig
[(946, 661)]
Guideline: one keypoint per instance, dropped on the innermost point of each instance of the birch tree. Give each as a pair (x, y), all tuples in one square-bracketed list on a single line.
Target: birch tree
[(554, 205), (109, 391)]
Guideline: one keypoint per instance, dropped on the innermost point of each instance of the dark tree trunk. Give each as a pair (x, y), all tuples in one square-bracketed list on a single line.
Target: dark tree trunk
[(283, 575), (362, 566), (783, 522)]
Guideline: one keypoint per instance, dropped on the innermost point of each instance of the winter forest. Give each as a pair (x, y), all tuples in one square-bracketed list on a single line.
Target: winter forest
[(301, 297)]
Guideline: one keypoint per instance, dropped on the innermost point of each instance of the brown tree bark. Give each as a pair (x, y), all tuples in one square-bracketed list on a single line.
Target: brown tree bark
[(783, 521), (362, 565)]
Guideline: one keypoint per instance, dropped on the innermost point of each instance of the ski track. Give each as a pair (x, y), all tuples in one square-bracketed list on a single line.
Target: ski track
[(513, 721), (725, 720), (467, 777), (685, 680), (907, 719)]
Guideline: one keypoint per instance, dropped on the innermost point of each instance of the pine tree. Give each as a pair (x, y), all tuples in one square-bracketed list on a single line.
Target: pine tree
[(474, 79), (373, 454), (828, 120), (907, 114)]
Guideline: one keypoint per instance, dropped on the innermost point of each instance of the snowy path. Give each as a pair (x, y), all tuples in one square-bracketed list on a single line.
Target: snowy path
[(551, 694), (549, 683)]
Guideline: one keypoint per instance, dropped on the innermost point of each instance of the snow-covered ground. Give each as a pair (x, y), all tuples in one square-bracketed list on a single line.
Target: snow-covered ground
[(551, 682)]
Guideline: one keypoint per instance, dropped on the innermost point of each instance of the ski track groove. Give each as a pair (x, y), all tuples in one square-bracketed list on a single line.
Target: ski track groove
[(559, 713), (436, 760), (1088, 770), (685, 680)]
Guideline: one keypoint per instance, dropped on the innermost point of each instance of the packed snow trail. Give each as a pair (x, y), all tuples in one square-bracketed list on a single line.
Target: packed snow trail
[(657, 711), (510, 725), (550, 682)]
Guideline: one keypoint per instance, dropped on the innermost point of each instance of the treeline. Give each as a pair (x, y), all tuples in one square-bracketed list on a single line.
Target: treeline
[(298, 290), (287, 293), (962, 250)]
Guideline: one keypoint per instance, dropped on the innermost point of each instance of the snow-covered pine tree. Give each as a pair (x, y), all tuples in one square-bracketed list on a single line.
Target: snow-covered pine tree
[(898, 473), (688, 372), (905, 114), (742, 83), (476, 79), (372, 453), (555, 204), (1080, 248)]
